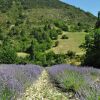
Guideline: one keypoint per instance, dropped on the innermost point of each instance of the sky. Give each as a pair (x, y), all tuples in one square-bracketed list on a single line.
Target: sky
[(92, 6)]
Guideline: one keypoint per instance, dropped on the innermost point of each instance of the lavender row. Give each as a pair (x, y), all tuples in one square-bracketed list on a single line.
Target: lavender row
[(84, 70), (17, 77), (83, 81)]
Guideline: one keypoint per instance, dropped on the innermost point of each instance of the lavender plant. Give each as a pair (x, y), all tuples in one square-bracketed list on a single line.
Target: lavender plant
[(15, 79), (84, 81), (71, 80), (6, 94)]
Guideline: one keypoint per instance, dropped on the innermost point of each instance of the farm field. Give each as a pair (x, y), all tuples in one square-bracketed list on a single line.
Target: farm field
[(49, 50), (75, 39), (59, 82)]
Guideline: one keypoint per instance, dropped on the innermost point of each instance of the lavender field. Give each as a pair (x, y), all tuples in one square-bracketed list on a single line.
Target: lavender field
[(35, 82)]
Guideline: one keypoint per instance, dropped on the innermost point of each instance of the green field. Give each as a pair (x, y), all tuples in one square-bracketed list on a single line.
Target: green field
[(73, 43), (22, 54)]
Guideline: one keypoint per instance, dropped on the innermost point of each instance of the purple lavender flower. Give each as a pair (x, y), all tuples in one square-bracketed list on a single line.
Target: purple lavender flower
[(17, 77), (63, 74)]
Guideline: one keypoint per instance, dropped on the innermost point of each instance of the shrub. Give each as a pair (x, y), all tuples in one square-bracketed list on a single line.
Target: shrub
[(25, 60), (65, 28), (59, 31), (59, 59), (73, 81), (64, 37), (71, 54), (56, 43)]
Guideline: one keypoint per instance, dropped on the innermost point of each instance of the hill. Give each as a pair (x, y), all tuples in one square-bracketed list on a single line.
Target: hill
[(52, 9), (29, 27)]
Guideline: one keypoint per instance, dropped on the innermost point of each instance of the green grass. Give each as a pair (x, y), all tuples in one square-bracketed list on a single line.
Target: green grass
[(22, 54), (6, 94), (73, 43)]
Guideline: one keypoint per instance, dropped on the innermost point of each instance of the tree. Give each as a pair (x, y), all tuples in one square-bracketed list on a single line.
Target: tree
[(31, 50), (8, 55), (53, 34), (50, 58), (98, 21), (99, 15), (92, 47)]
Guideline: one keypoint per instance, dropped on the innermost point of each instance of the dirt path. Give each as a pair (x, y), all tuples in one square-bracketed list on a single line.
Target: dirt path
[(43, 90)]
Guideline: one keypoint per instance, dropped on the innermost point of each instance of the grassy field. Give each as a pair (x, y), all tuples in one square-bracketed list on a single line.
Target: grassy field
[(22, 54), (73, 43)]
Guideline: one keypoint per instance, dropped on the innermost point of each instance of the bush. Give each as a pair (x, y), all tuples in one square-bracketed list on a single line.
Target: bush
[(23, 60), (61, 24), (74, 82), (59, 31), (59, 59), (71, 54), (56, 43), (65, 28), (64, 37)]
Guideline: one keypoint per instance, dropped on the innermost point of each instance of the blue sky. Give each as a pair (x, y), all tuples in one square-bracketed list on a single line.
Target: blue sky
[(92, 6)]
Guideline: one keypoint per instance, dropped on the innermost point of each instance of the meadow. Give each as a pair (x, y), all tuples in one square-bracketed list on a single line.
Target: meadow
[(75, 39)]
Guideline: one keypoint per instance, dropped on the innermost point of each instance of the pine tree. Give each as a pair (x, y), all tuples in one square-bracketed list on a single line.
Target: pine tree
[(99, 15), (98, 21), (32, 51)]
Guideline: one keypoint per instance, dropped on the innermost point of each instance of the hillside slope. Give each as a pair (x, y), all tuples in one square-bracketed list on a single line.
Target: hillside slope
[(30, 26), (51, 8)]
